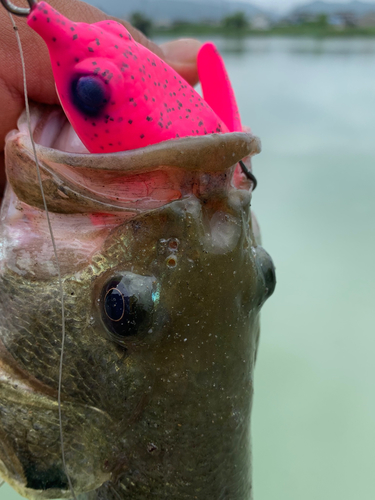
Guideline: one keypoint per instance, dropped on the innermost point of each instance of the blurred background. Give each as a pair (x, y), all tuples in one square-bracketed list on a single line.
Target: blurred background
[(304, 77)]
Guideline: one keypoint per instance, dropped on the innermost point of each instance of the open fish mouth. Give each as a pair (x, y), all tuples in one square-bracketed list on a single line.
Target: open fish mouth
[(75, 181), (95, 192)]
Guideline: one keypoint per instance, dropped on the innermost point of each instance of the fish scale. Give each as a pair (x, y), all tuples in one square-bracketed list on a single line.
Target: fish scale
[(140, 100)]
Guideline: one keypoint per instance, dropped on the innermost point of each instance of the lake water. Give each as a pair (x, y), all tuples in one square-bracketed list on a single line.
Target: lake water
[(312, 102)]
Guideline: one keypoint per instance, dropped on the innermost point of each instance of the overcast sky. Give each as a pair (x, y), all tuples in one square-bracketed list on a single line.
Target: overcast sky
[(282, 5)]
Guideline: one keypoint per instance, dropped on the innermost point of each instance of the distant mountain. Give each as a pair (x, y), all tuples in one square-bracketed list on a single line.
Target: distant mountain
[(178, 10), (355, 7)]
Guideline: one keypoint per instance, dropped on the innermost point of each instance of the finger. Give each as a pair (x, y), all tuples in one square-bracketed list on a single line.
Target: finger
[(182, 56)]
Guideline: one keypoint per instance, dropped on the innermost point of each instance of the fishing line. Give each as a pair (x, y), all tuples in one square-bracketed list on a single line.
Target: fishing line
[(114, 491), (15, 28)]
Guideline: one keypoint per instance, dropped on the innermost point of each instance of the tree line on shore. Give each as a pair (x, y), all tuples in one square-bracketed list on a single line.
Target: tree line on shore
[(236, 21), (239, 23)]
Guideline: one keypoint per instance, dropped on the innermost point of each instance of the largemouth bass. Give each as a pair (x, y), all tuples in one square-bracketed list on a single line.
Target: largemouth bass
[(164, 278)]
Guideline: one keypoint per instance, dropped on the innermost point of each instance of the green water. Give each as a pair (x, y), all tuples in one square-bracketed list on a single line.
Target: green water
[(313, 104)]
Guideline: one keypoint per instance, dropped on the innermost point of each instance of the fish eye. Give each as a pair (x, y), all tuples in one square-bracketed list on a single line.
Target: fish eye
[(267, 269), (89, 94), (127, 305)]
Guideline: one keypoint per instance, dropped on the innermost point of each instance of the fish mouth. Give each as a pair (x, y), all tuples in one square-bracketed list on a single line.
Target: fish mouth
[(129, 182), (30, 451)]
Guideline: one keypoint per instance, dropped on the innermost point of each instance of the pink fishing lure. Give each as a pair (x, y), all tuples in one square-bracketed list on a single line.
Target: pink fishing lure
[(118, 95)]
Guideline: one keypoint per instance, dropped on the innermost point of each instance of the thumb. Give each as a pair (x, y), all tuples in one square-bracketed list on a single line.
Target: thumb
[(182, 56)]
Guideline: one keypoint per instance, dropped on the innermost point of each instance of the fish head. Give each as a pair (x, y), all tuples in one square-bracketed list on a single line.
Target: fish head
[(162, 278)]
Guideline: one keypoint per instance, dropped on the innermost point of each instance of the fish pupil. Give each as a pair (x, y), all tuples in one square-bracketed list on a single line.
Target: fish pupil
[(89, 95), (114, 305)]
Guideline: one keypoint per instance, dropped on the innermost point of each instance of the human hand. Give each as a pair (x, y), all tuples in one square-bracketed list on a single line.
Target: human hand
[(180, 54)]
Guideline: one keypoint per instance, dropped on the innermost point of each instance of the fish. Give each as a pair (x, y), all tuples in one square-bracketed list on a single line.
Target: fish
[(163, 276)]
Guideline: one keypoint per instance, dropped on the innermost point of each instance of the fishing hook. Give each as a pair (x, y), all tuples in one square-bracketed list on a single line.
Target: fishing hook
[(19, 11), (248, 174)]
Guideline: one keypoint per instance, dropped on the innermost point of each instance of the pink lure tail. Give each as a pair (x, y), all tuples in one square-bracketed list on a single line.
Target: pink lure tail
[(216, 87), (118, 95)]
